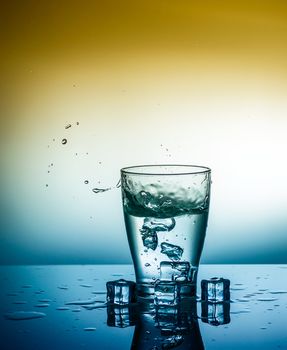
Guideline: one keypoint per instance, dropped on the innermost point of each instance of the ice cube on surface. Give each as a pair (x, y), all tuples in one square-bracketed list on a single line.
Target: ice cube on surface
[(215, 314), (165, 293), (215, 290), (174, 271), (120, 316), (121, 292), (172, 251)]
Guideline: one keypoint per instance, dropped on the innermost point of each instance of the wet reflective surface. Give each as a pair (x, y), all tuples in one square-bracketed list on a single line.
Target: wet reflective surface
[(56, 307)]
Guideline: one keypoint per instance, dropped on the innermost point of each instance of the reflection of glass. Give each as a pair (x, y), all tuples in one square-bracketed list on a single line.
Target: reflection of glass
[(166, 212), (168, 328)]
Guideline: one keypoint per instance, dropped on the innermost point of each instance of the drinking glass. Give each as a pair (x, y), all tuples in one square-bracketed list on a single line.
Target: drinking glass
[(166, 212)]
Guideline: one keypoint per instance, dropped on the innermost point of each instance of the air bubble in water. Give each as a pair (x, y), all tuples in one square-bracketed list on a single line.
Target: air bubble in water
[(64, 141), (100, 190)]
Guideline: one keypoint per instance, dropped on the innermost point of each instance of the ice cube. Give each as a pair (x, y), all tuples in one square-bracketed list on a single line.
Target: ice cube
[(165, 293), (215, 290), (156, 225), (215, 314), (121, 316), (174, 271), (121, 292), (150, 239), (174, 252)]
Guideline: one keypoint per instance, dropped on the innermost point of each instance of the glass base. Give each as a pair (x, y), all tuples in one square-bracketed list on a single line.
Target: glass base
[(145, 291)]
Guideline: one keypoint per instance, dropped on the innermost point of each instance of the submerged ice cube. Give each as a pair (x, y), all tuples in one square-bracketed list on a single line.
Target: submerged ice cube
[(215, 314), (165, 293), (173, 252), (174, 271), (215, 290), (121, 292), (156, 225), (150, 239)]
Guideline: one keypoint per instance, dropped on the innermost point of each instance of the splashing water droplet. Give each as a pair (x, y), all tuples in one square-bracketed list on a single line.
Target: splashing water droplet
[(68, 126), (64, 141), (100, 190), (86, 182)]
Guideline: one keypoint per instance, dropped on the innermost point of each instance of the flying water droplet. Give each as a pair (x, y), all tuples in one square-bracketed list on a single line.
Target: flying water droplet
[(68, 126), (64, 141), (146, 264), (86, 182), (100, 190), (118, 185), (78, 123)]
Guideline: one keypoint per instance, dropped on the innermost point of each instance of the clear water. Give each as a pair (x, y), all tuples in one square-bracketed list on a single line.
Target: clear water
[(170, 239)]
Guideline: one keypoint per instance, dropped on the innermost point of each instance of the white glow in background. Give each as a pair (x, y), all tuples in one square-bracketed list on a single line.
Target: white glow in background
[(234, 123)]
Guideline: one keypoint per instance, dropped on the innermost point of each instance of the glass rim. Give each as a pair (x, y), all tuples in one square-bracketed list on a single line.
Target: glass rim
[(197, 169)]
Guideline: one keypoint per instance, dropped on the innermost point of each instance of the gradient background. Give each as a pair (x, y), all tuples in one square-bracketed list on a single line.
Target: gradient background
[(200, 82)]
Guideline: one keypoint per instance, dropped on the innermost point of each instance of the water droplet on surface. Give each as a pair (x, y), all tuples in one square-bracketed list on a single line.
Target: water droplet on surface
[(81, 302), (68, 126), (20, 302), (86, 182), (42, 305), (100, 190), (64, 141), (24, 315), (86, 285)]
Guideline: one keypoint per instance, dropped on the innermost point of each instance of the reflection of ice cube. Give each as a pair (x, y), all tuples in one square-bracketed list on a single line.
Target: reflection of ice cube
[(165, 293), (121, 292), (174, 252), (156, 225), (119, 316), (215, 290), (174, 271), (215, 314), (172, 342)]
